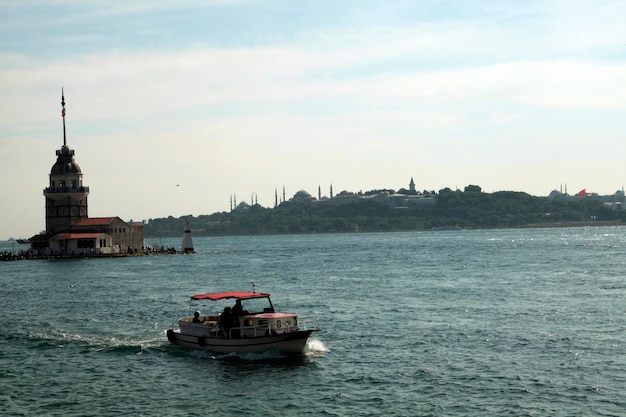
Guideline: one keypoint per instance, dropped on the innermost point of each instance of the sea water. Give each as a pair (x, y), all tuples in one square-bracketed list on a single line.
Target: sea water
[(455, 323)]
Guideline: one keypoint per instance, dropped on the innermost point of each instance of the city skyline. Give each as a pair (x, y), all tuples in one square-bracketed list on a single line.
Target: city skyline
[(173, 108)]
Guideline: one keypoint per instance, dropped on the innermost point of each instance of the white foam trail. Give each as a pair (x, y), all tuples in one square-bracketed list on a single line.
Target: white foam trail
[(315, 347)]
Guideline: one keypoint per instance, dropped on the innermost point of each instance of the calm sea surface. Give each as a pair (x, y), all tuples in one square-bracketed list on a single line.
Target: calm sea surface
[(460, 323)]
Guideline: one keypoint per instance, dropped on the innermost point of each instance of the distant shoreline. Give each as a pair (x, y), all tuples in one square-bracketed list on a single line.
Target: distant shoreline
[(572, 224)]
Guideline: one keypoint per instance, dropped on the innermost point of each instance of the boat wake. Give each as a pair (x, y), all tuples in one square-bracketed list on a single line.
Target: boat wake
[(57, 339), (315, 348)]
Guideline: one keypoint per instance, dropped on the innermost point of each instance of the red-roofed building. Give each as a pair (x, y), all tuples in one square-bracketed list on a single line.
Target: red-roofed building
[(77, 243), (126, 236)]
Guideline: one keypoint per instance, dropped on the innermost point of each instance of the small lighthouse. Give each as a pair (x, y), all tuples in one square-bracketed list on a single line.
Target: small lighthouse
[(187, 246)]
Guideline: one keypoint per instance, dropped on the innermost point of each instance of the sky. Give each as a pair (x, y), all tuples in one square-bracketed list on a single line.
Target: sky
[(174, 108)]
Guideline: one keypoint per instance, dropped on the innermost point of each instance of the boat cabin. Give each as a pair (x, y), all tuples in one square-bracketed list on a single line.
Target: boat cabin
[(256, 325), (262, 320)]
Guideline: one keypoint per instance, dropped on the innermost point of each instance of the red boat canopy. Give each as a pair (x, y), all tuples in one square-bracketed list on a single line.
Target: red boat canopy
[(230, 294)]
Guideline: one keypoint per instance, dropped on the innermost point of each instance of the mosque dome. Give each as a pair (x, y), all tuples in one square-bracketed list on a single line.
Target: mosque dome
[(555, 194), (302, 196), (243, 206)]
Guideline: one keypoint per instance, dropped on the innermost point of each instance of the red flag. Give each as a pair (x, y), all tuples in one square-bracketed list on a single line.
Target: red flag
[(582, 193), (63, 112)]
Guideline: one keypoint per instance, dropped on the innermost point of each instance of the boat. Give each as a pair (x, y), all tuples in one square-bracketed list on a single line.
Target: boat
[(235, 330), (22, 241)]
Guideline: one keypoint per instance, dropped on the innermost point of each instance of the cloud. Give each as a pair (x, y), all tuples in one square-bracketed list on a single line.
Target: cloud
[(153, 86)]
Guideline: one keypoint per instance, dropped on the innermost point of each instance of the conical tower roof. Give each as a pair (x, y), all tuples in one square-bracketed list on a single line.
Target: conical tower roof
[(65, 163)]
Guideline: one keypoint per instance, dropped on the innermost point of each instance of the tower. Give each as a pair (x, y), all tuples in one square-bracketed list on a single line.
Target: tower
[(187, 246), (66, 197), (412, 186)]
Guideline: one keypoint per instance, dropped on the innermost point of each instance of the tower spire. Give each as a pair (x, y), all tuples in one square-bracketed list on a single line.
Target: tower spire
[(63, 116)]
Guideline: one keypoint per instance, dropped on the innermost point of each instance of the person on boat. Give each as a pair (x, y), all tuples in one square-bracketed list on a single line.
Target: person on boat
[(238, 309), (226, 320), (196, 317)]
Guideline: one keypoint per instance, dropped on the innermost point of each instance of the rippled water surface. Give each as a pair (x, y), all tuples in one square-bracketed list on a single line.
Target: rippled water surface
[(507, 322)]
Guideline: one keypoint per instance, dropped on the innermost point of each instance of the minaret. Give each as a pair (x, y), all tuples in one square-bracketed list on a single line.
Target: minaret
[(187, 246), (66, 197), (275, 197)]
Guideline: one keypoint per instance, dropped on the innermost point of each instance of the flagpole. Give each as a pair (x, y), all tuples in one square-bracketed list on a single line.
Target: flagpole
[(63, 115)]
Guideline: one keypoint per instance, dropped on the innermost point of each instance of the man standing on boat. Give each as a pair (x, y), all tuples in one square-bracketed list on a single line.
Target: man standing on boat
[(238, 309), (226, 320)]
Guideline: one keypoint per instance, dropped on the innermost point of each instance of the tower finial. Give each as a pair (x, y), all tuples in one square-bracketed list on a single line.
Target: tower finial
[(63, 116)]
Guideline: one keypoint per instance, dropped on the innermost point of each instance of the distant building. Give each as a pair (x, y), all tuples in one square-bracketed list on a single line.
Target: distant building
[(616, 200), (302, 196), (69, 230), (402, 199)]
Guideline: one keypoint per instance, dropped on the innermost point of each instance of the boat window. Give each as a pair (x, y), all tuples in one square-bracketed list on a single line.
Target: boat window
[(262, 322), (255, 305)]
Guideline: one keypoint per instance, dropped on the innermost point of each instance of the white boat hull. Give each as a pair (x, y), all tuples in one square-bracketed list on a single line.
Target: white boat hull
[(293, 342)]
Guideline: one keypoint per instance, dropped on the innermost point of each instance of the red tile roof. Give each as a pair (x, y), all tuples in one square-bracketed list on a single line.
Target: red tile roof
[(94, 221), (71, 236)]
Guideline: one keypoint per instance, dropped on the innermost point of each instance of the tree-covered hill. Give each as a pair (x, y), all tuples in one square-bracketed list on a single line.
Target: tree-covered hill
[(470, 208)]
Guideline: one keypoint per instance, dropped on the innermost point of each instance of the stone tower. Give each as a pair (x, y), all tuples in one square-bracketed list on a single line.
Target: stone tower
[(66, 197)]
